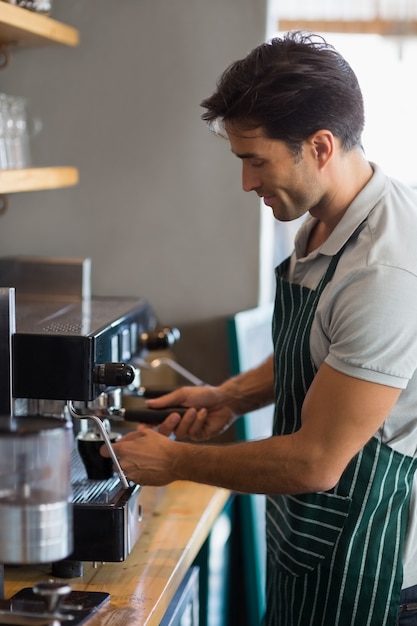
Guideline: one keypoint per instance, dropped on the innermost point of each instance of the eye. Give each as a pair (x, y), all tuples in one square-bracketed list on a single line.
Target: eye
[(256, 162)]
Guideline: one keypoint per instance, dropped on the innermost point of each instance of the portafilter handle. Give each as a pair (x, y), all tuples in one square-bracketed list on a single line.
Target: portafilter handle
[(146, 415), (106, 438)]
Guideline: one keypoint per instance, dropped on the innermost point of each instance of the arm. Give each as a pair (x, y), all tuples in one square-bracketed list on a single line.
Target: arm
[(251, 390), (340, 414)]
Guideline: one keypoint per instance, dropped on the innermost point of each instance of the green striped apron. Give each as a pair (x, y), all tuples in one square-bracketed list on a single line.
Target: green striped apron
[(333, 558)]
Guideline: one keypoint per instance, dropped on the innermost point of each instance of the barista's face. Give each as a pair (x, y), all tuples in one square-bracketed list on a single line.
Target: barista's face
[(289, 184)]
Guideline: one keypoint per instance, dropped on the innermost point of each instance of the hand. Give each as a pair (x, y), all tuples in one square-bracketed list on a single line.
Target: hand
[(208, 415), (145, 456)]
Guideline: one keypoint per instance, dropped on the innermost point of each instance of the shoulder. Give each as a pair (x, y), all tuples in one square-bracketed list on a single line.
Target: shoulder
[(366, 319), (387, 238), (391, 232)]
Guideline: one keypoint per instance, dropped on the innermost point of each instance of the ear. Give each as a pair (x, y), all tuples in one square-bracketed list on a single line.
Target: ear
[(323, 144)]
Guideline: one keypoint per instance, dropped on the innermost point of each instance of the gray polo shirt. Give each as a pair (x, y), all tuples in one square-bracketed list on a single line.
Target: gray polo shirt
[(365, 325)]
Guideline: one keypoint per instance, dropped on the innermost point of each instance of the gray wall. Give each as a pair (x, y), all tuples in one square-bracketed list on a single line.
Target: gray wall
[(159, 207)]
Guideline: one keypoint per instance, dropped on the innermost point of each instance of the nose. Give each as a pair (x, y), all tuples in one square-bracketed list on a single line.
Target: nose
[(250, 180)]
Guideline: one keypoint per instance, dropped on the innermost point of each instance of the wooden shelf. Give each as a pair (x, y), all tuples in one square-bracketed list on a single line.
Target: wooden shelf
[(21, 27), (375, 26), (36, 179)]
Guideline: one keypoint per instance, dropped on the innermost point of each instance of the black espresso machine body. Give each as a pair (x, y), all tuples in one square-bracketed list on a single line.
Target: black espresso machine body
[(60, 352), (59, 347), (63, 347)]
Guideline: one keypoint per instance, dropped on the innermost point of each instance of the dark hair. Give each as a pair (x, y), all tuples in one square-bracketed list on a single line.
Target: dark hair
[(291, 86)]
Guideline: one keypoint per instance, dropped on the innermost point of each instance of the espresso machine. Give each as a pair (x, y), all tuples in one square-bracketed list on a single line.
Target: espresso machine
[(67, 360)]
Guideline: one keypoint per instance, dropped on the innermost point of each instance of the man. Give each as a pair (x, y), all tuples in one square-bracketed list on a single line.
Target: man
[(338, 470)]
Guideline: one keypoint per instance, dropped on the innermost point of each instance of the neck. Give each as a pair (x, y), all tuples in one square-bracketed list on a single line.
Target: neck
[(346, 177)]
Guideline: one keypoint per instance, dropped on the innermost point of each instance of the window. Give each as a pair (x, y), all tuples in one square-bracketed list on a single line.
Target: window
[(385, 67)]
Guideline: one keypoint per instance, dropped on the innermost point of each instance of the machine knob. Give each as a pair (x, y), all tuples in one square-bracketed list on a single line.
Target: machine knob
[(52, 593), (159, 338), (114, 374)]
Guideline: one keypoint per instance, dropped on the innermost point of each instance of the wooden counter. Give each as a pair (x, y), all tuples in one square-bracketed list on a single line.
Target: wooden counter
[(176, 521)]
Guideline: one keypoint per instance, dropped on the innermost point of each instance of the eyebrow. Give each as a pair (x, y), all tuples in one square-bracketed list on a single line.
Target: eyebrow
[(247, 155)]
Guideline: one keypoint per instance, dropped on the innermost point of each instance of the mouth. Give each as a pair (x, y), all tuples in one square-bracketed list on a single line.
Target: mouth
[(268, 200)]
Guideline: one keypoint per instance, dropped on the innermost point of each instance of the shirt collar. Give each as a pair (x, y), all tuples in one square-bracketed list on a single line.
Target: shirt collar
[(355, 214)]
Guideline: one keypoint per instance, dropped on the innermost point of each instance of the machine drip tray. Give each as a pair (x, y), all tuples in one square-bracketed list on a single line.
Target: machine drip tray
[(78, 607)]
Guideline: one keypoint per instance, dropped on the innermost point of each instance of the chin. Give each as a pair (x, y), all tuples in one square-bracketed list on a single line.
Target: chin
[(283, 217)]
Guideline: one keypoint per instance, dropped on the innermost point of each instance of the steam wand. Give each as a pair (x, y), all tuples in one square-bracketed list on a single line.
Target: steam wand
[(155, 363), (106, 438)]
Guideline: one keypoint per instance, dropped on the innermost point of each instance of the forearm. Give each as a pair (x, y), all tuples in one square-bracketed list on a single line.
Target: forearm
[(251, 390), (272, 466)]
